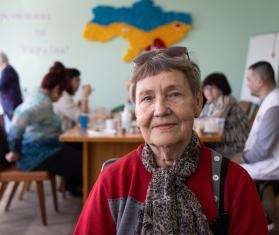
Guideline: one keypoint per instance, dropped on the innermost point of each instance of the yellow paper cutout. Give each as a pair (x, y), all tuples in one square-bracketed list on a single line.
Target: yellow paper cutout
[(138, 39)]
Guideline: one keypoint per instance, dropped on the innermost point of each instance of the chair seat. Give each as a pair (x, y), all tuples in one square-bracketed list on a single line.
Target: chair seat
[(272, 188), (17, 175)]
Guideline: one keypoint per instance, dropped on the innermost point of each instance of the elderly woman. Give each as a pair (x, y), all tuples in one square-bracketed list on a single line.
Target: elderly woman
[(166, 186), (34, 134), (221, 104)]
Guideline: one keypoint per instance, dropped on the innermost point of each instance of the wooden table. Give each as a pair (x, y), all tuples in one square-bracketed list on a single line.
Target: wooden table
[(99, 148)]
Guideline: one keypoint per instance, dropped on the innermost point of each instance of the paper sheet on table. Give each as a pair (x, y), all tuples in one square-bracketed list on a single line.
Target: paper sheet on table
[(105, 132)]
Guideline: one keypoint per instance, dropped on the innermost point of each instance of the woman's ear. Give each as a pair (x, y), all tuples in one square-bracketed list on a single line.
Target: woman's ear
[(198, 104)]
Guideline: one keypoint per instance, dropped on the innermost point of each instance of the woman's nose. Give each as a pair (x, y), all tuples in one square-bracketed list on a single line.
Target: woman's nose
[(161, 108)]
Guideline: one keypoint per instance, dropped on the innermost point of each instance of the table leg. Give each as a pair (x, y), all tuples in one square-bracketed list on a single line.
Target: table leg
[(85, 170)]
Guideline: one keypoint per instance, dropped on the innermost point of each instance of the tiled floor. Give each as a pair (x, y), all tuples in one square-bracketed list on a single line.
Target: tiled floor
[(24, 216)]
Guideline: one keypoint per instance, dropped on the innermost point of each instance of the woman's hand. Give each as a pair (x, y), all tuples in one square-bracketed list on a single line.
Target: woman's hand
[(12, 157), (86, 91)]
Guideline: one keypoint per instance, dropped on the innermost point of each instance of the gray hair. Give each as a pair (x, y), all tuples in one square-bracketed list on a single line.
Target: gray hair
[(4, 57), (161, 62)]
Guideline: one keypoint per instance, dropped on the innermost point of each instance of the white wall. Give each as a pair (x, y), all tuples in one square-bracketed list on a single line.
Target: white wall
[(261, 47), (219, 40), (35, 33)]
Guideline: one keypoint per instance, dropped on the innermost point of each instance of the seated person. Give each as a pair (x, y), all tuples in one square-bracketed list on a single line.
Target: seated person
[(65, 107), (165, 186), (34, 133), (261, 154), (221, 104)]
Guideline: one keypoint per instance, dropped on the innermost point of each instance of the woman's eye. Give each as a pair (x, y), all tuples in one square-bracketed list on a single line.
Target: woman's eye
[(174, 94), (146, 99)]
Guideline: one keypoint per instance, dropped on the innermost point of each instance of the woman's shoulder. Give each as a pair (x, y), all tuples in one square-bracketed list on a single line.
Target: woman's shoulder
[(236, 173), (228, 101), (65, 98), (122, 165), (125, 176), (37, 99), (35, 107), (230, 98)]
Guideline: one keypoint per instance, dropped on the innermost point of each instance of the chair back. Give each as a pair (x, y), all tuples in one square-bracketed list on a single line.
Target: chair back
[(15, 175), (250, 109), (108, 162)]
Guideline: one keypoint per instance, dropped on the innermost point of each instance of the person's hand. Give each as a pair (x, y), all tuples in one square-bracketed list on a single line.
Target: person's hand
[(86, 91), (12, 157), (236, 158)]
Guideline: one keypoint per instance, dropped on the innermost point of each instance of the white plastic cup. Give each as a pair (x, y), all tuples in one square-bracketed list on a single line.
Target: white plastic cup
[(220, 124), (110, 124)]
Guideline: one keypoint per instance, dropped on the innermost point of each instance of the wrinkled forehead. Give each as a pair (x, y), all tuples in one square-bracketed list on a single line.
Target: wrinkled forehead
[(165, 81)]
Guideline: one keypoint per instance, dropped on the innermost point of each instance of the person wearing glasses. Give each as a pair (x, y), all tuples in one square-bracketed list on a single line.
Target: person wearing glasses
[(221, 104), (170, 184)]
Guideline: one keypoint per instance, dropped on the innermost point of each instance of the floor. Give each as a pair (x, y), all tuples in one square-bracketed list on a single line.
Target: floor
[(272, 212), (275, 231), (24, 216)]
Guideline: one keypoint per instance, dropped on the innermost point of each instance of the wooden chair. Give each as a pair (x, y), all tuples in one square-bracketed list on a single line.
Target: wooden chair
[(271, 187), (108, 162), (250, 109), (62, 187), (15, 175), (26, 187)]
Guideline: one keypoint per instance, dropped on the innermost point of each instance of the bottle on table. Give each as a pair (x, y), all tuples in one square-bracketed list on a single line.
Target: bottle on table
[(83, 120), (126, 119)]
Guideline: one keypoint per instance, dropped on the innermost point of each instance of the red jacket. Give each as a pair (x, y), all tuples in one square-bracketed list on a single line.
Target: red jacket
[(121, 189)]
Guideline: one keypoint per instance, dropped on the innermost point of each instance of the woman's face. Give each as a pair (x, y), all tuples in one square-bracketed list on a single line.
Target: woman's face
[(75, 82), (211, 92), (55, 94), (165, 109)]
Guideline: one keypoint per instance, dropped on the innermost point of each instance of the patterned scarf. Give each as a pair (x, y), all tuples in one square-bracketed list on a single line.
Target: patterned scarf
[(170, 206)]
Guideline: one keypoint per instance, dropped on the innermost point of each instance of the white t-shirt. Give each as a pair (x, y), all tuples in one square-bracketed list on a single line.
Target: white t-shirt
[(68, 111)]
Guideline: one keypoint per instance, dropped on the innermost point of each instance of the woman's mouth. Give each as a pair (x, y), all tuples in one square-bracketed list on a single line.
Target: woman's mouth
[(164, 127)]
